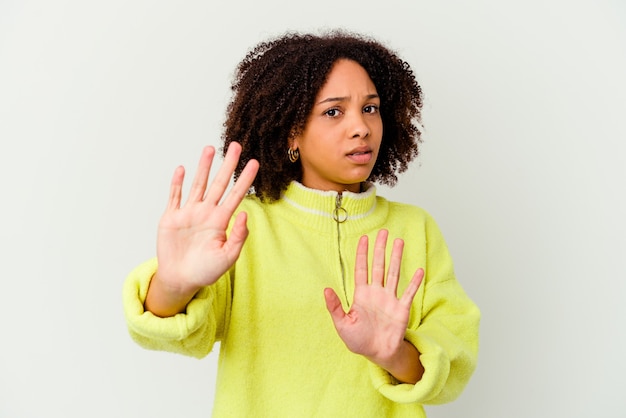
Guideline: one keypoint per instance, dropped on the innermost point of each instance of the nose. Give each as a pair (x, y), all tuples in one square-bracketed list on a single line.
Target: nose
[(359, 127)]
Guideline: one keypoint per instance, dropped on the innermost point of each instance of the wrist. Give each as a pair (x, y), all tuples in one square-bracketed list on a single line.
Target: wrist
[(174, 289), (403, 362), (165, 300)]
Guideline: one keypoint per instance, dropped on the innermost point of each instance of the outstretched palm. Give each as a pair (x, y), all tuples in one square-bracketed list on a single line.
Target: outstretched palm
[(376, 322), (192, 247)]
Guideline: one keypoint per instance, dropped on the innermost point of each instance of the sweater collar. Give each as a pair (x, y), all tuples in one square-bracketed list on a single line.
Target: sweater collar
[(324, 205)]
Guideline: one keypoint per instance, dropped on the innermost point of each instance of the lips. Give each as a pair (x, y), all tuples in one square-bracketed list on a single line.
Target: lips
[(361, 155), (360, 151)]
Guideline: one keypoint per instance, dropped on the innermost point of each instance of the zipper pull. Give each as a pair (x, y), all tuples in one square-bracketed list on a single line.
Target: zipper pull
[(340, 215)]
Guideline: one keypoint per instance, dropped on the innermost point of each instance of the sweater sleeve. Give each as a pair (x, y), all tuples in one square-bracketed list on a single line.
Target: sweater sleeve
[(192, 332), (445, 333)]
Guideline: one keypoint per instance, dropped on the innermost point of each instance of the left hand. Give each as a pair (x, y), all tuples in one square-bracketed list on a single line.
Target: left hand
[(377, 320)]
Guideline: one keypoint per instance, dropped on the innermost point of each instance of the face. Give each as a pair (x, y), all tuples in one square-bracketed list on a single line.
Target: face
[(342, 135)]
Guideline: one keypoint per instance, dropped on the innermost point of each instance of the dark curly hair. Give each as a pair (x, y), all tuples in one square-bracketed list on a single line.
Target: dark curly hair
[(274, 91)]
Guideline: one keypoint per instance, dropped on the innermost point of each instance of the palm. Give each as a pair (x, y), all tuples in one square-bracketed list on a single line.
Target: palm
[(192, 246), (376, 322)]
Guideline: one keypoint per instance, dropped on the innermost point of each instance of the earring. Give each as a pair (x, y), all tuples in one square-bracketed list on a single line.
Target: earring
[(293, 154)]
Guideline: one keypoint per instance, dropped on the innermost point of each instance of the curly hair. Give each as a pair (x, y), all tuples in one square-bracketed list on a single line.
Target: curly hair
[(274, 91)]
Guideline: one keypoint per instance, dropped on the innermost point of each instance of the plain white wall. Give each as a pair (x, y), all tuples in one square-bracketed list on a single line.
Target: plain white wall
[(522, 166)]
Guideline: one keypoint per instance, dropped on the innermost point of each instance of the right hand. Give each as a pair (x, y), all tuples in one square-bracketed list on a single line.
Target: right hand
[(193, 250)]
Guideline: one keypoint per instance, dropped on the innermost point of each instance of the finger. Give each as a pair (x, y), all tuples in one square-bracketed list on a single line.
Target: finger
[(393, 275), (333, 304), (198, 187), (411, 290), (237, 236), (241, 186), (176, 187), (360, 265), (225, 173), (378, 264)]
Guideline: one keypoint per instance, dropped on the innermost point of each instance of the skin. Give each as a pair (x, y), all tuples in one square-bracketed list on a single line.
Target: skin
[(340, 142), (192, 247), (338, 149), (374, 326)]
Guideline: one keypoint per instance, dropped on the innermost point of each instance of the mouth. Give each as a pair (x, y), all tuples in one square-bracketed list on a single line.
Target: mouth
[(360, 151), (361, 155)]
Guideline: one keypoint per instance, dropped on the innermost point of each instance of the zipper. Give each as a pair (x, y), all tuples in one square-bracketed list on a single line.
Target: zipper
[(340, 215)]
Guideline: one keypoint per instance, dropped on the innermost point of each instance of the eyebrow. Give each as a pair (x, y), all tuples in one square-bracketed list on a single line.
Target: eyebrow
[(341, 99)]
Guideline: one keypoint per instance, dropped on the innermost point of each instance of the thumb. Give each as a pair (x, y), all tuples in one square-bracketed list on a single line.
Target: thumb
[(238, 235), (333, 304)]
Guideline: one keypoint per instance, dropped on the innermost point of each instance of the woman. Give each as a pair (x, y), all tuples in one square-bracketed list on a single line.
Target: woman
[(281, 275)]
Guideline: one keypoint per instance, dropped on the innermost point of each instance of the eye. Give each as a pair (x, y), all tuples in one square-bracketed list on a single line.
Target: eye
[(370, 109), (332, 113)]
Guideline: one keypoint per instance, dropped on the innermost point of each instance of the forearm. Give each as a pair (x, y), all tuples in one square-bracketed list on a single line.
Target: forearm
[(163, 301), (404, 364)]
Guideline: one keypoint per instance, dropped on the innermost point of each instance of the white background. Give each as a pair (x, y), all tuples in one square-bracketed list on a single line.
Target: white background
[(523, 166)]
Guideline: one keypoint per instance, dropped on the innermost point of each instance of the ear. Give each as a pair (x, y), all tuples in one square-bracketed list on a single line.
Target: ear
[(292, 141)]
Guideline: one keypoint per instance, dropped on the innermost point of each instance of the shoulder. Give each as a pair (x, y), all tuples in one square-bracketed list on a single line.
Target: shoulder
[(405, 211), (252, 202), (254, 207), (411, 219)]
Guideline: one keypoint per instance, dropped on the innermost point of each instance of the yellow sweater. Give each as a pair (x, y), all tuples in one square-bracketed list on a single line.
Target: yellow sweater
[(280, 355)]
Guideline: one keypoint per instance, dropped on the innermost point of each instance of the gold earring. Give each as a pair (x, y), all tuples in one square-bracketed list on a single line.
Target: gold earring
[(293, 154)]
